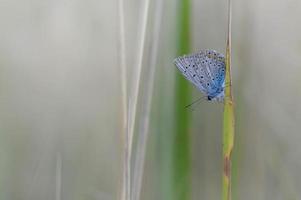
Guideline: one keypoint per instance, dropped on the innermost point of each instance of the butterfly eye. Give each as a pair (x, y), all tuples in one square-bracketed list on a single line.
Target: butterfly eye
[(202, 76), (194, 75)]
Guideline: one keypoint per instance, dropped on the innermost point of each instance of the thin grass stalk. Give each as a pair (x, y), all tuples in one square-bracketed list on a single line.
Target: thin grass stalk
[(228, 129), (137, 72), (125, 184), (133, 101), (145, 120)]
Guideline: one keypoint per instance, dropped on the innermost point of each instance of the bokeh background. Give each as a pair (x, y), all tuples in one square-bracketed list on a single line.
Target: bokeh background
[(61, 99)]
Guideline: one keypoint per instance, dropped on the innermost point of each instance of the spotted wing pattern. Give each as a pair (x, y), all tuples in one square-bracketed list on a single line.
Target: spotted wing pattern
[(206, 70)]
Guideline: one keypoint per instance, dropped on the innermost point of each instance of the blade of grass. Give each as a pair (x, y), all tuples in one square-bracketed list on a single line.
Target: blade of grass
[(125, 183), (133, 101), (145, 120), (137, 71), (181, 169), (228, 129)]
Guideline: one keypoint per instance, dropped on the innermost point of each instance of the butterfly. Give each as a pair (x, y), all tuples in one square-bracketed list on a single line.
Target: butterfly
[(206, 70)]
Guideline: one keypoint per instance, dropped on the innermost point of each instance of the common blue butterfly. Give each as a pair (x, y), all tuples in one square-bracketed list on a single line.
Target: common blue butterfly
[(206, 70)]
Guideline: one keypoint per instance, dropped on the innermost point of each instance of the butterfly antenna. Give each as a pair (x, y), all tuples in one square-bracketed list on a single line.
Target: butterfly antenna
[(194, 102)]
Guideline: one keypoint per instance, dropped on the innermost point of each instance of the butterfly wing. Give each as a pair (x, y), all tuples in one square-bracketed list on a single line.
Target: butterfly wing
[(204, 69), (216, 64), (193, 68)]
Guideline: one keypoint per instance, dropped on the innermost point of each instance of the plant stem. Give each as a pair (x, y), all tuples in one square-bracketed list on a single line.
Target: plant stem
[(145, 118), (138, 69), (125, 183), (228, 130)]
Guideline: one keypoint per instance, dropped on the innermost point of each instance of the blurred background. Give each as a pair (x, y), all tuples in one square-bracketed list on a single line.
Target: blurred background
[(61, 98)]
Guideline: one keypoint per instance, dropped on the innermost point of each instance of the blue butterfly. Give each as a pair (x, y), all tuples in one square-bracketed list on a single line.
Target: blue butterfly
[(206, 70)]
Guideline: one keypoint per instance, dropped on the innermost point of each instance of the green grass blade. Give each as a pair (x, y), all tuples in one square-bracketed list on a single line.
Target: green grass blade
[(181, 147), (228, 129)]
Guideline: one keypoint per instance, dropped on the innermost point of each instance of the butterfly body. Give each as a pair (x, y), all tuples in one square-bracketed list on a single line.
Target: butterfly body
[(206, 70)]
